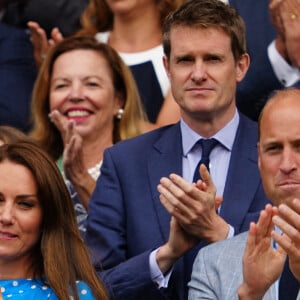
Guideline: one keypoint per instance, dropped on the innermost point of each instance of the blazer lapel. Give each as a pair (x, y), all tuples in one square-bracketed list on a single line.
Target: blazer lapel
[(164, 159), (243, 176)]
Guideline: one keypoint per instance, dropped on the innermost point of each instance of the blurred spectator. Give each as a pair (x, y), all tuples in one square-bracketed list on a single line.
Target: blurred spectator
[(273, 42), (17, 76), (64, 14), (133, 28)]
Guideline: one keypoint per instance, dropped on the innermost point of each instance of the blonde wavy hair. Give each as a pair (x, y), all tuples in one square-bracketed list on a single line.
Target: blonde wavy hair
[(45, 132)]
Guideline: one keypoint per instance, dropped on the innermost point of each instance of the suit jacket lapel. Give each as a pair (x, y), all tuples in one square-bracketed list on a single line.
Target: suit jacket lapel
[(165, 158), (243, 176)]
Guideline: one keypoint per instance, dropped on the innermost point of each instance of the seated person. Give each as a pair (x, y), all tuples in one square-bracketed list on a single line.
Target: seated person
[(42, 255), (17, 75), (251, 265), (144, 221), (84, 100)]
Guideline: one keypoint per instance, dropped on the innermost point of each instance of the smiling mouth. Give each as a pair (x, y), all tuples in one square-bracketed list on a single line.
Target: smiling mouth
[(77, 113), (7, 236)]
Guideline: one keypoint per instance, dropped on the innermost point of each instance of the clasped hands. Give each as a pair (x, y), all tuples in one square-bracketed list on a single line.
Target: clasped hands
[(193, 209)]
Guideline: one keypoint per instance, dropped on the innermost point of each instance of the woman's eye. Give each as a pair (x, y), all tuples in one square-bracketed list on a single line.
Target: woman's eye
[(26, 204), (58, 86), (92, 84)]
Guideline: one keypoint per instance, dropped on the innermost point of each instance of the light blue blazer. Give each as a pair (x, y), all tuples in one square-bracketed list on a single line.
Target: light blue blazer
[(217, 271)]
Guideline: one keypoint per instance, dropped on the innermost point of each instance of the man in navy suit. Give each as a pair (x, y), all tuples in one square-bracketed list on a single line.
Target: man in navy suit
[(273, 39), (17, 75), (129, 230)]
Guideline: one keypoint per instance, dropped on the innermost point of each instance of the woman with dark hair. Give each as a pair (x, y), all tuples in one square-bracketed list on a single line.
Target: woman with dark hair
[(42, 255), (10, 134)]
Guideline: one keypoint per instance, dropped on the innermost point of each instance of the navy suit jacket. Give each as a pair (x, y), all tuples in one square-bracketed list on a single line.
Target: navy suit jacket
[(260, 80), (126, 219), (17, 75)]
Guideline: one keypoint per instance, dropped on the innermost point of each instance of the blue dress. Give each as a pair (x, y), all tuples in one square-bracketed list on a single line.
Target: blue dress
[(32, 289)]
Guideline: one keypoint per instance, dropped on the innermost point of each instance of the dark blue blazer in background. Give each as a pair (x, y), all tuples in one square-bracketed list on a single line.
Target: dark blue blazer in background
[(17, 75), (260, 80), (64, 14), (126, 219)]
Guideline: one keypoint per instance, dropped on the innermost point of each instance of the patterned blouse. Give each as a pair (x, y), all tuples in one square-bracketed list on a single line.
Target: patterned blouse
[(32, 289)]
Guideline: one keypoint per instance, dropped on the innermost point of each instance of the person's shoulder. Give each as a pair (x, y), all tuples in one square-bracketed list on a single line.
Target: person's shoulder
[(220, 264), (145, 139), (9, 31), (246, 121), (227, 247), (16, 47), (249, 129)]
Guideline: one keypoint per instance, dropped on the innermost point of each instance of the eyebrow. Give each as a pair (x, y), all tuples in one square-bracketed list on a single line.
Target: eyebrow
[(67, 78), (27, 196)]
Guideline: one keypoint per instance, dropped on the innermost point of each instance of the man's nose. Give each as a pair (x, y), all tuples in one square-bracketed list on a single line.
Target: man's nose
[(199, 72), (288, 161)]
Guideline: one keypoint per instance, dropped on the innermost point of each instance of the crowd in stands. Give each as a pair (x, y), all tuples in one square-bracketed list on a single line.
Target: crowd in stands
[(149, 149)]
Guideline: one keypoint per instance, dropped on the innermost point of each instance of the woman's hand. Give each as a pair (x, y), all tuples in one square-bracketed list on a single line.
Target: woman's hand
[(41, 44), (73, 163)]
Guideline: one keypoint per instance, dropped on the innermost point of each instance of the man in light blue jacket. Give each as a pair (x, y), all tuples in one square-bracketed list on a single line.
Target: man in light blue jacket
[(251, 265)]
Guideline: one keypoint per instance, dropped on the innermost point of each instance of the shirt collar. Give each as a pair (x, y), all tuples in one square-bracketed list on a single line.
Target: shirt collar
[(225, 136)]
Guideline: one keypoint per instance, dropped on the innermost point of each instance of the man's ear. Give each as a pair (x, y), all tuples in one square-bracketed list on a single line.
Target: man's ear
[(166, 65), (242, 67), (258, 155)]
